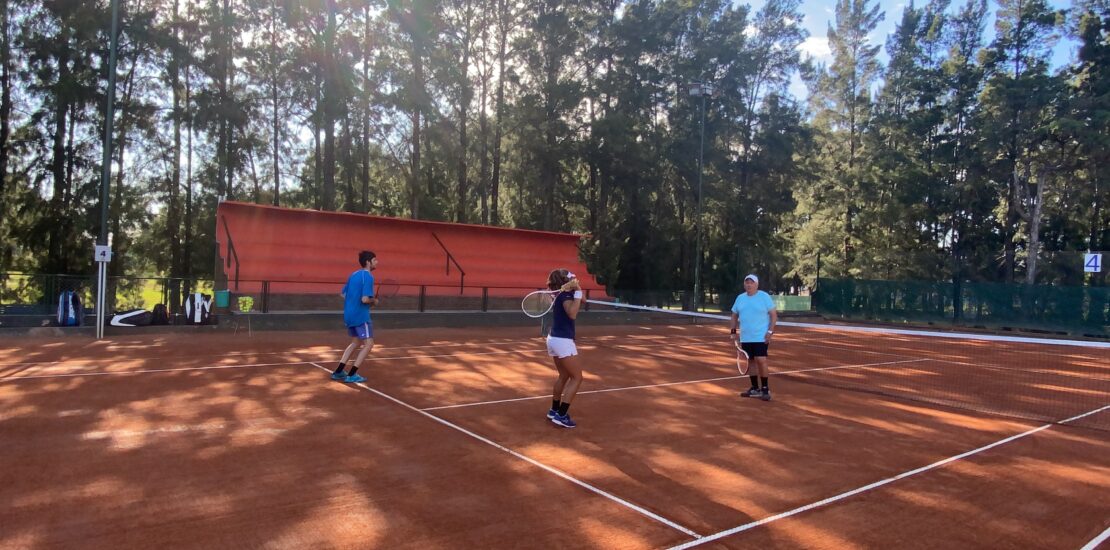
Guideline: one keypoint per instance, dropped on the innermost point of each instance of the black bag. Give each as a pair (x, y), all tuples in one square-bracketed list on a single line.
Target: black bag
[(160, 315), (131, 318), (198, 309)]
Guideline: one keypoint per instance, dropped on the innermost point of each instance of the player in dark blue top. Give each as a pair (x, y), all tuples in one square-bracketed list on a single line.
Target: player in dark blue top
[(358, 297), (560, 345)]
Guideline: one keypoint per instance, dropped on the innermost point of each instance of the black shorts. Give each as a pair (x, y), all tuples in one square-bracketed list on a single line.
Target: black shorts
[(754, 349)]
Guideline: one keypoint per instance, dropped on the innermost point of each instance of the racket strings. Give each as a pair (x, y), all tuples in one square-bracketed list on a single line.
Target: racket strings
[(537, 304)]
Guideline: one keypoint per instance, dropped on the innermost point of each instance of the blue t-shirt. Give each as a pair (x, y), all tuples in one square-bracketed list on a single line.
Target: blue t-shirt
[(562, 326), (755, 315), (359, 284)]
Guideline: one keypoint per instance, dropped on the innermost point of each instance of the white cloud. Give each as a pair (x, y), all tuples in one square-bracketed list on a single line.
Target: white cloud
[(816, 46)]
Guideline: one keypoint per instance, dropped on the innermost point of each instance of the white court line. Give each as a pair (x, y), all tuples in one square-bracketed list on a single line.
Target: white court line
[(877, 484), (1097, 540), (683, 382), (952, 335), (531, 461), (962, 363)]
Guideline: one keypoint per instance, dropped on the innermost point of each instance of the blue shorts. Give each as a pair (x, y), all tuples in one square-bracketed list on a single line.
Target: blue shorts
[(362, 332)]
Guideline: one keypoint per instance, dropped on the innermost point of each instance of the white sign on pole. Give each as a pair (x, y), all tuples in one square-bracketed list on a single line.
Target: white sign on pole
[(1092, 263), (102, 253)]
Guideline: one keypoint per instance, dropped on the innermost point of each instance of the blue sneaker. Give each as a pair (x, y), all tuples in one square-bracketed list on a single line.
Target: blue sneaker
[(354, 379), (552, 413), (341, 376), (563, 420)]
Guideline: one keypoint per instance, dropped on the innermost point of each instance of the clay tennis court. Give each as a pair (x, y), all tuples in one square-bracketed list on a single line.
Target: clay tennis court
[(220, 440)]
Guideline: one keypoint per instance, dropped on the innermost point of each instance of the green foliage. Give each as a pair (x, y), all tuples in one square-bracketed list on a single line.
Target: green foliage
[(572, 116)]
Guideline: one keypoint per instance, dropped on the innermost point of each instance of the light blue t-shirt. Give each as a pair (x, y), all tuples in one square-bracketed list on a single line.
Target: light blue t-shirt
[(359, 284), (755, 315)]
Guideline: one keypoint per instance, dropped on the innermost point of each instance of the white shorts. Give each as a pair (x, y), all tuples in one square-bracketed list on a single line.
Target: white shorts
[(561, 347)]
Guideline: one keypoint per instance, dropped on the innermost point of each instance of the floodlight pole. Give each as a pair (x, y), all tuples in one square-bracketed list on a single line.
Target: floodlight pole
[(699, 89), (106, 173)]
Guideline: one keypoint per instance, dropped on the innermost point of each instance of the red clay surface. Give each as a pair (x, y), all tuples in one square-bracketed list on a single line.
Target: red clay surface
[(221, 440)]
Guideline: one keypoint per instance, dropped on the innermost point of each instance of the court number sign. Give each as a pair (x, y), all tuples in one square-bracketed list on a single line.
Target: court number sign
[(1092, 263), (102, 253)]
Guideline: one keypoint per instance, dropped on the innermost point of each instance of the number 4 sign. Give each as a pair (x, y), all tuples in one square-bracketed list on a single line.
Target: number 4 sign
[(102, 253), (1092, 263)]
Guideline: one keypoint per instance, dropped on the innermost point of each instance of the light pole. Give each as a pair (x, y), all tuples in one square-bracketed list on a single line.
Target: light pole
[(699, 89)]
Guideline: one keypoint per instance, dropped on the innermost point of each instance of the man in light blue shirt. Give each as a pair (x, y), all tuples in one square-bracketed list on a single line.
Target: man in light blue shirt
[(358, 297), (754, 314)]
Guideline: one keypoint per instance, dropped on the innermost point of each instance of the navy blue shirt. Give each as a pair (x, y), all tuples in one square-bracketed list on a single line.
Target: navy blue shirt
[(562, 326)]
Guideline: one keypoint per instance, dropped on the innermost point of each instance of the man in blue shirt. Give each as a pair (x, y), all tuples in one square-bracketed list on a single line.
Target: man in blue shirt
[(358, 297), (754, 313)]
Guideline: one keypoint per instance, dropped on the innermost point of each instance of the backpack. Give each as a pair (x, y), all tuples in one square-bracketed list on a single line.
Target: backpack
[(160, 316), (70, 310)]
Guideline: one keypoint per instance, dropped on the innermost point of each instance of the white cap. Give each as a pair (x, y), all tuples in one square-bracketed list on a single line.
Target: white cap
[(753, 277)]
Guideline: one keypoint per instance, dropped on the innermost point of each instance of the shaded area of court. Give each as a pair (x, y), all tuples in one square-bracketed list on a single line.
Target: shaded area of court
[(230, 440), (275, 458)]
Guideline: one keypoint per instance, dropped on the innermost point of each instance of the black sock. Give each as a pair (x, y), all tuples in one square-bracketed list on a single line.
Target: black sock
[(764, 378), (555, 403), (563, 408), (340, 368), (353, 371), (755, 381)]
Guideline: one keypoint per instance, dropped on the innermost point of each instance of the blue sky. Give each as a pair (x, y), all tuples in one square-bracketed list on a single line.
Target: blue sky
[(819, 14)]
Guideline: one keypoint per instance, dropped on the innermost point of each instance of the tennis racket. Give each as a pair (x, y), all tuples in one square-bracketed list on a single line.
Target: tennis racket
[(742, 359), (387, 289), (537, 304)]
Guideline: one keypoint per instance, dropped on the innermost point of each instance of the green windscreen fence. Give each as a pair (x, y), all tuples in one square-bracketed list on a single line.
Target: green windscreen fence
[(1080, 310)]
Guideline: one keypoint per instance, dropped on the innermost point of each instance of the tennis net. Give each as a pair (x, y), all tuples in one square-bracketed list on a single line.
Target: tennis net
[(1047, 380)]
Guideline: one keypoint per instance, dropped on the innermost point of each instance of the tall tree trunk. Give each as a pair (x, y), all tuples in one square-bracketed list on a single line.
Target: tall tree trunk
[(119, 240), (221, 99), (186, 270), (365, 115), (275, 101), (67, 201), (348, 166), (462, 184), (257, 195), (502, 46), (414, 160), (173, 210), (5, 101), (550, 165), (55, 262), (1010, 227), (1035, 231), (229, 74), (483, 138), (330, 106)]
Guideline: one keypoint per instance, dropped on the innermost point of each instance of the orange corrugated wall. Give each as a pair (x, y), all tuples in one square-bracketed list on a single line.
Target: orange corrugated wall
[(291, 245)]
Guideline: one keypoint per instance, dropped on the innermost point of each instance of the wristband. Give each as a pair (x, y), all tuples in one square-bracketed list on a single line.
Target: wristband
[(577, 294)]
